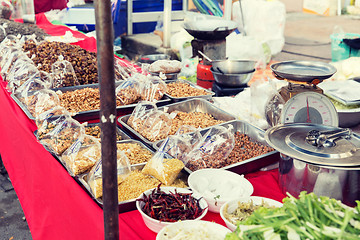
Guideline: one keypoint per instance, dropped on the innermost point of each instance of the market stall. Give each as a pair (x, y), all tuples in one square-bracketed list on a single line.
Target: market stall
[(56, 204)]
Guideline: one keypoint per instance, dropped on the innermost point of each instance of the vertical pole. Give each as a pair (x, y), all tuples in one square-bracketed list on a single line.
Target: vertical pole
[(227, 10), (105, 61), (167, 22)]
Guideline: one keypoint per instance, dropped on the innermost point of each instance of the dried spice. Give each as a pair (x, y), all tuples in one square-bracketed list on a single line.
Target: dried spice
[(171, 207)]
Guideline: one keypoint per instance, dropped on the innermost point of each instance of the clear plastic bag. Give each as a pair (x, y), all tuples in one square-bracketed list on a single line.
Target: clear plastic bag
[(15, 55), (180, 144), (139, 114), (21, 72), (156, 125), (164, 169), (214, 147), (94, 178), (127, 92), (63, 136), (152, 89), (165, 66), (33, 84), (82, 155), (6, 9), (47, 121), (63, 74), (41, 101)]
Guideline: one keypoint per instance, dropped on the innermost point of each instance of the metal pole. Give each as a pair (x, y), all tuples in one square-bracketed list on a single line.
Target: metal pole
[(105, 61)]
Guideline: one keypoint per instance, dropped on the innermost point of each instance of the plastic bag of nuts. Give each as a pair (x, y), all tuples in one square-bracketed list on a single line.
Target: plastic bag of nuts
[(127, 92), (48, 120), (41, 101), (63, 74), (33, 84), (180, 144), (63, 136), (152, 89), (156, 125), (139, 114), (21, 74), (214, 147), (82, 155), (94, 178), (164, 169)]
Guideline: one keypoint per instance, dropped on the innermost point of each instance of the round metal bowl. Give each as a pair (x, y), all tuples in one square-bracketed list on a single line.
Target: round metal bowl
[(232, 80), (233, 66)]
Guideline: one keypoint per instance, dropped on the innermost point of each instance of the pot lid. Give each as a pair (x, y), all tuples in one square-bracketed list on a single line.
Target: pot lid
[(316, 144)]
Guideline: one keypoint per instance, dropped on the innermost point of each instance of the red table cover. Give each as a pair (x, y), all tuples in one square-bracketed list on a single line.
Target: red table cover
[(54, 204)]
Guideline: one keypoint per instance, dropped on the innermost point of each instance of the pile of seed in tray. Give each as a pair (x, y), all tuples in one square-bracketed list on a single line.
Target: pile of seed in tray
[(183, 89), (16, 28), (244, 149)]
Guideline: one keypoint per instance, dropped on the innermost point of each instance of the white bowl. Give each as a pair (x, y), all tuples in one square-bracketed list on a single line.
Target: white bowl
[(193, 229), (156, 225), (218, 186), (233, 205)]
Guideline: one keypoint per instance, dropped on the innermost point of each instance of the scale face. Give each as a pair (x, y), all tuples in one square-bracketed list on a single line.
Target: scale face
[(309, 107)]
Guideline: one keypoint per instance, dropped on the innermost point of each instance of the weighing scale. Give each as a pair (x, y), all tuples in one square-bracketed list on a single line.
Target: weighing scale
[(301, 101)]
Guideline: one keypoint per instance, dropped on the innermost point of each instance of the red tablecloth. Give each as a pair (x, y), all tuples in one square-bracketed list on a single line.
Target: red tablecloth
[(54, 204)]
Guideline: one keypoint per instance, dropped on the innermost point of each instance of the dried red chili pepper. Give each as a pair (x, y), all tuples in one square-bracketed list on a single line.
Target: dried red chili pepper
[(171, 207)]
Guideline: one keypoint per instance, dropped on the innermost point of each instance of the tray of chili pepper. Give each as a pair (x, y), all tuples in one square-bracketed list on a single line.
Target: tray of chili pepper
[(162, 206)]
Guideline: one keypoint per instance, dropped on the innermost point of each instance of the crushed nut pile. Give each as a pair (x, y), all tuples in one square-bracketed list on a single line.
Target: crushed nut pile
[(135, 153), (181, 89), (95, 131)]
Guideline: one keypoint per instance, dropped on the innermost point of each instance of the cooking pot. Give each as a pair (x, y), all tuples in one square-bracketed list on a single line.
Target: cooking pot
[(210, 29), (317, 158)]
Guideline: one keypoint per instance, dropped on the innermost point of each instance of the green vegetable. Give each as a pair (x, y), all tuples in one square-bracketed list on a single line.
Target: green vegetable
[(308, 217)]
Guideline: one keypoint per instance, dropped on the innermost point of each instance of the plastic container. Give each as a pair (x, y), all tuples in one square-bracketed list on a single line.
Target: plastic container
[(120, 15), (341, 51)]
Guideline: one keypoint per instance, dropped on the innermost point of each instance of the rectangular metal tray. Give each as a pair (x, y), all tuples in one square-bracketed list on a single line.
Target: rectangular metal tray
[(191, 105), (124, 206), (178, 99), (251, 164), (92, 114)]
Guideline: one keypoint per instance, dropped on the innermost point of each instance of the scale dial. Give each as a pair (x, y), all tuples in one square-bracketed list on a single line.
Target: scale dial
[(309, 107)]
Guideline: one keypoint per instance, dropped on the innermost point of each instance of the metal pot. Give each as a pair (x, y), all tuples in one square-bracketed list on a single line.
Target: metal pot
[(317, 158), (232, 79), (210, 29)]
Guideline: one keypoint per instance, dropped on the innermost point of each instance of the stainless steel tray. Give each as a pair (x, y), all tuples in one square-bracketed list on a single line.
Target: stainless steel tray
[(303, 71), (178, 99), (251, 164), (124, 206), (22, 106), (191, 105), (92, 114)]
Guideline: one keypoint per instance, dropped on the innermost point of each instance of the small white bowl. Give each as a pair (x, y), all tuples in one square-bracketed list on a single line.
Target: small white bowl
[(193, 228), (233, 205), (218, 186), (156, 225)]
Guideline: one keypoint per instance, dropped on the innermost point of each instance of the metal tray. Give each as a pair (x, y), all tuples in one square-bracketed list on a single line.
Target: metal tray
[(303, 71), (92, 114), (251, 164), (178, 99), (191, 105), (22, 106), (124, 206)]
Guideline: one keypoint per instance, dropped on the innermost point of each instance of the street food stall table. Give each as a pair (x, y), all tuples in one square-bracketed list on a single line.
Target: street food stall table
[(54, 204)]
